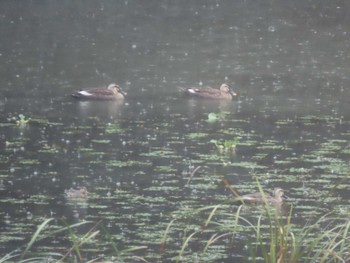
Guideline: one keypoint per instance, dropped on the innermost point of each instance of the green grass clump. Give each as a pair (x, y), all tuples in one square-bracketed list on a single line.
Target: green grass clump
[(268, 233), (271, 237), (74, 253)]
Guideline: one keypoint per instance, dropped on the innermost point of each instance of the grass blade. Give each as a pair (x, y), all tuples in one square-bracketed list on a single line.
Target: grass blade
[(36, 235), (184, 246)]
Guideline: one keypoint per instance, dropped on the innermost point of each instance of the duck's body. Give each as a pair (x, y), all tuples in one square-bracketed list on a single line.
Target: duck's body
[(112, 92), (258, 198), (76, 193), (224, 93)]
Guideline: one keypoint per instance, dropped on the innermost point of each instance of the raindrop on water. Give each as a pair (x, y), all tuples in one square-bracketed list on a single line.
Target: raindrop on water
[(29, 215), (271, 29)]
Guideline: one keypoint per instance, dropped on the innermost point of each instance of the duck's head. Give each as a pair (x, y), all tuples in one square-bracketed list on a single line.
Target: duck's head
[(227, 89), (83, 192), (278, 193), (116, 89)]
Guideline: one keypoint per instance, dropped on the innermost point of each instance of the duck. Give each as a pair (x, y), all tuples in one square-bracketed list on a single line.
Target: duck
[(82, 193), (258, 198), (225, 92), (112, 92)]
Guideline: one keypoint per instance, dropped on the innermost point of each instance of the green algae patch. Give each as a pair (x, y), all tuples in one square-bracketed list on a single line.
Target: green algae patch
[(196, 135), (129, 163)]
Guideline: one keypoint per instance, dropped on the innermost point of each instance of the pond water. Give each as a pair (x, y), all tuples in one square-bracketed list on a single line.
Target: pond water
[(152, 158)]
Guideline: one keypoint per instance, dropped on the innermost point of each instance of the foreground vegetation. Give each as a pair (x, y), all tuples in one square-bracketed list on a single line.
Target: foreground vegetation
[(269, 237)]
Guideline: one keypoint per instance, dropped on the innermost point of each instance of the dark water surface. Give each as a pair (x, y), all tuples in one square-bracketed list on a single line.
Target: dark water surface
[(288, 61)]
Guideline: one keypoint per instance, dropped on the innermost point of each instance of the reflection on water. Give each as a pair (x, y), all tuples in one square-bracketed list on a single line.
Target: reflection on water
[(197, 108), (289, 64), (90, 109)]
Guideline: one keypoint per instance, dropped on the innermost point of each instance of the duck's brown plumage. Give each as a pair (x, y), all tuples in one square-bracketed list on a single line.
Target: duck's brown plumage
[(224, 93), (112, 92), (257, 198), (77, 193)]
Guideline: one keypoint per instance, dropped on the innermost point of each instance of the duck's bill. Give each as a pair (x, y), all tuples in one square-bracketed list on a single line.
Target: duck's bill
[(123, 92)]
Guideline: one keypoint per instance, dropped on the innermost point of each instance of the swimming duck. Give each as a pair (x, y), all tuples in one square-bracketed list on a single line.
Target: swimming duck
[(225, 92), (76, 193), (257, 198), (112, 92)]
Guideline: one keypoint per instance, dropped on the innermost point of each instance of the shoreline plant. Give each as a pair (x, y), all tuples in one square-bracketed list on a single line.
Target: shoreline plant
[(270, 236)]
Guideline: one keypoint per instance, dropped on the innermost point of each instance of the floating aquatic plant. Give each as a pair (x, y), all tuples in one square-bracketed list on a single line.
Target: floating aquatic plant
[(113, 128), (197, 135), (117, 163), (22, 120), (101, 141), (228, 146), (212, 117)]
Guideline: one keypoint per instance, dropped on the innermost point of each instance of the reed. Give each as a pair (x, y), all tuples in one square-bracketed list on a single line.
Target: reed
[(271, 237), (286, 242), (25, 254)]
